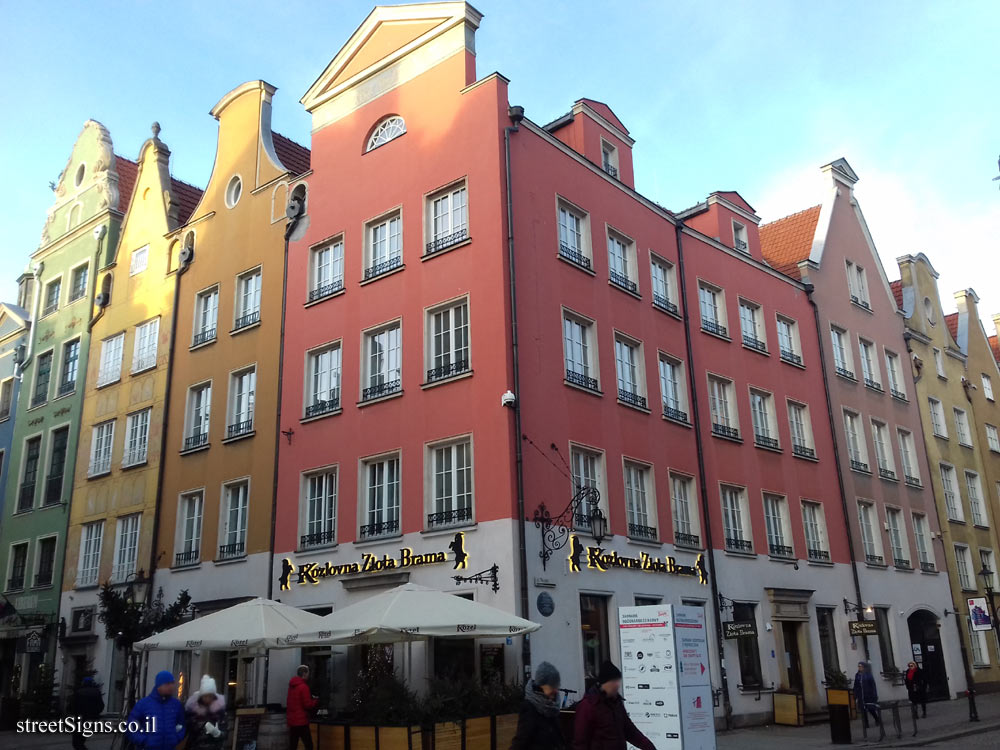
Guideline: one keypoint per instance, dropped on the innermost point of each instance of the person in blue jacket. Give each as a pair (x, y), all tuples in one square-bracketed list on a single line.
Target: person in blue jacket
[(159, 717), (866, 697)]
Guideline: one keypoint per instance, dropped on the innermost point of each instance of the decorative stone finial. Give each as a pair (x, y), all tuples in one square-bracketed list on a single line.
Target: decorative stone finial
[(156, 130)]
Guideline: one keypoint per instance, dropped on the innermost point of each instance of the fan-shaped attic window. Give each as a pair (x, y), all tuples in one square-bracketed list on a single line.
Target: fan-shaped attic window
[(389, 128)]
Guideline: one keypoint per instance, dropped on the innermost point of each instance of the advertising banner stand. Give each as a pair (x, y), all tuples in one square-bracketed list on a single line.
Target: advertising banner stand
[(666, 678)]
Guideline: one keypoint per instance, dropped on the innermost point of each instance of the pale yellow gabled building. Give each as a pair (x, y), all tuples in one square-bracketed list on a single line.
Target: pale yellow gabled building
[(118, 466)]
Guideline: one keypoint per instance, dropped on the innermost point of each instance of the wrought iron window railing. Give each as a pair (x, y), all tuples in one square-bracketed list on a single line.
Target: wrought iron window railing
[(664, 304), (323, 406), (676, 414), (752, 342), (790, 356), (875, 559), (928, 567), (874, 385), (196, 440), (688, 540), (186, 558), (886, 473), (765, 441), (739, 545), (623, 281), (325, 290), (203, 337), (446, 371), (780, 550), (377, 269), (318, 538), (574, 256), (897, 394), (638, 531), (803, 451), (26, 497), (740, 245), (845, 373), (247, 320), (714, 327), (380, 528), (16, 582), (860, 466), (725, 431), (447, 240), (449, 517), (611, 170), (913, 481), (584, 381), (821, 555), (237, 429), (53, 489), (634, 399), (384, 389), (902, 562), (229, 551)]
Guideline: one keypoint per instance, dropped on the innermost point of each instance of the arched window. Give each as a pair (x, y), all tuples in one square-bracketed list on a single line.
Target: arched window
[(391, 127)]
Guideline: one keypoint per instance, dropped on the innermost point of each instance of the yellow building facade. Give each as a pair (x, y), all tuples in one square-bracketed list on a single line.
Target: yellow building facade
[(963, 468), (115, 488), (215, 514)]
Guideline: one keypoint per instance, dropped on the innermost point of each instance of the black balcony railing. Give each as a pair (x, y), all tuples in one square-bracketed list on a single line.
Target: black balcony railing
[(26, 497), (611, 170), (725, 431), (44, 576), (16, 582), (928, 567), (874, 559), (247, 320), (53, 489), (67, 387), (633, 399), (821, 555), (446, 371), (323, 406), (623, 281), (913, 481), (186, 558), (377, 269), (765, 441), (229, 551), (717, 328), (860, 466), (459, 235), (887, 473), (740, 245), (384, 389), (861, 302), (688, 540), (897, 394), (380, 528), (203, 337), (237, 429), (873, 384), (779, 550), (40, 397), (581, 521), (574, 256), (752, 342), (664, 304), (739, 545), (449, 517), (845, 373), (902, 562), (803, 451), (318, 538), (676, 414), (195, 441), (584, 381), (790, 356), (638, 531), (325, 290)]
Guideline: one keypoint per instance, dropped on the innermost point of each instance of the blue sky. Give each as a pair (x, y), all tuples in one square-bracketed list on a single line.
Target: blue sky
[(752, 96)]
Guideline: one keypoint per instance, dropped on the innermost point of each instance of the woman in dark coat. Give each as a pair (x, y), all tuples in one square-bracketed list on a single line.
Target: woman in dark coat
[(538, 722), (916, 688)]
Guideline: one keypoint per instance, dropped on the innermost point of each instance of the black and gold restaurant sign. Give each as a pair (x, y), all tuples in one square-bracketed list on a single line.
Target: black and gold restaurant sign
[(601, 560)]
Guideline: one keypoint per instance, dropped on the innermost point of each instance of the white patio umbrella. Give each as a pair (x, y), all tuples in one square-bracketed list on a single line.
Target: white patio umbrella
[(411, 613), (250, 626)]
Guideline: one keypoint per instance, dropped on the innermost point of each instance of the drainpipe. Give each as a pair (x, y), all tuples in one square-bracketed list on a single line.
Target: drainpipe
[(100, 232), (702, 481), (36, 272), (836, 457), (516, 115)]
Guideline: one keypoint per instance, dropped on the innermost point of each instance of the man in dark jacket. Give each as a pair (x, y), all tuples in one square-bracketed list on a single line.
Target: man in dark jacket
[(866, 696), (157, 721), (87, 704), (601, 720), (538, 722), (300, 702)]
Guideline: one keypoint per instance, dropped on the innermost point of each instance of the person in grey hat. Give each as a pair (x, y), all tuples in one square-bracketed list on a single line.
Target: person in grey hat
[(538, 722)]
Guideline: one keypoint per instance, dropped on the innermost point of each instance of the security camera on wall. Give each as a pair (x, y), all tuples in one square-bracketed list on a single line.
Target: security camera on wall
[(508, 399)]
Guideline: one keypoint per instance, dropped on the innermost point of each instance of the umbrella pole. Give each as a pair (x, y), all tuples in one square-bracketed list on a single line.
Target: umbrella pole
[(267, 666)]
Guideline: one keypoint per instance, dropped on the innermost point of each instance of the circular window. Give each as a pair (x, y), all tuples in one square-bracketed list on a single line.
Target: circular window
[(233, 191), (80, 171), (929, 310)]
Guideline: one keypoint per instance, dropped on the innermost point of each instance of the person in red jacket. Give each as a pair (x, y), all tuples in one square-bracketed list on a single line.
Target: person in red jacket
[(300, 702), (602, 723)]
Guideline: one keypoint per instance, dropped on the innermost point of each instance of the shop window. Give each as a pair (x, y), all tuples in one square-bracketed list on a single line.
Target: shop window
[(827, 641), (748, 649), (594, 632), (885, 639)]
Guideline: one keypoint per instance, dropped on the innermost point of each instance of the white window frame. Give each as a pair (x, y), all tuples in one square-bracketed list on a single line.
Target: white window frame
[(241, 406), (883, 449), (323, 376), (447, 340), (922, 538), (385, 378), (938, 424), (752, 326), (136, 450), (894, 373), (684, 509), (964, 568), (869, 364), (803, 440), (993, 438), (387, 129), (196, 415), (663, 283), (640, 500), (234, 523), (722, 406), (112, 352), (951, 494), (673, 387), (587, 469), (789, 345), (573, 230), (908, 456), (630, 371), (50, 308), (764, 418), (126, 549), (939, 363), (977, 502), (857, 283), (190, 526), (446, 217), (381, 499), (63, 383), (580, 355), (88, 567), (987, 387), (622, 262), (712, 309), (102, 443), (326, 269), (318, 514), (206, 316), (871, 539), (740, 241), (843, 357), (138, 261), (857, 444), (74, 273), (814, 530), (898, 545), (383, 244), (145, 345), (440, 476), (779, 536), (249, 288), (962, 430), (737, 531)]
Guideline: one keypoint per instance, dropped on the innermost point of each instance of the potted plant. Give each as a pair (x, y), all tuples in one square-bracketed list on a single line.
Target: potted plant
[(838, 690)]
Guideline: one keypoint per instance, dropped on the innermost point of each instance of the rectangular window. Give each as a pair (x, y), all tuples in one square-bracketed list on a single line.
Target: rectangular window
[(952, 500), (29, 479), (192, 510), (976, 507), (987, 387), (383, 362), (199, 408), (857, 450), (57, 467), (869, 365), (978, 647), (765, 428), (52, 292), (993, 438), (146, 339), (621, 262), (448, 218), (383, 245), (234, 526), (841, 353), (6, 397), (857, 282), (986, 563), (724, 419), (885, 639), (89, 567), (922, 538), (870, 539), (963, 565), (937, 417), (102, 439), (327, 270), (381, 483), (136, 438), (752, 326), (962, 427), (939, 363), (206, 316), (789, 346), (712, 305), (908, 456), (248, 287), (321, 509), (814, 524), (733, 523), (43, 375), (664, 284), (609, 158), (672, 391), (573, 244), (451, 465), (883, 450), (594, 632), (740, 237), (686, 528), (110, 370), (242, 394), (126, 547), (46, 561), (894, 372), (630, 371), (640, 511), (18, 566), (800, 428), (827, 640), (897, 538), (775, 519), (580, 352), (70, 367), (323, 370), (587, 468), (448, 341), (78, 283), (139, 261), (748, 647)]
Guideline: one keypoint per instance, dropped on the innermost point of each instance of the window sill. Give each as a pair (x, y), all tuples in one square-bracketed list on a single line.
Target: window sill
[(633, 406), (443, 250), (315, 548), (900, 399), (4, 419), (442, 530), (782, 559), (640, 542), (86, 586), (449, 379), (930, 572), (203, 344), (940, 436), (862, 472), (688, 547), (237, 438), (380, 399), (902, 569), (61, 396), (35, 407), (755, 350), (957, 521), (244, 329), (42, 588), (767, 448), (577, 266), (799, 365), (966, 445), (877, 566), (848, 378), (231, 560), (814, 459), (324, 415), (716, 335), (738, 553), (99, 474), (981, 526), (147, 368), (820, 563), (861, 306), (187, 566), (727, 438), (99, 386), (321, 300), (681, 422), (577, 387), (199, 449), (391, 272), (136, 465), (623, 290), (668, 313), (23, 512)]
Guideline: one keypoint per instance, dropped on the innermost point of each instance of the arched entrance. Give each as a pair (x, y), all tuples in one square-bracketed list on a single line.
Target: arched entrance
[(925, 644)]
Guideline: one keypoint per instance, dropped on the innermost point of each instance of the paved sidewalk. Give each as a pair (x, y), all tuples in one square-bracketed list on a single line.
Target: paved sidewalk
[(945, 721)]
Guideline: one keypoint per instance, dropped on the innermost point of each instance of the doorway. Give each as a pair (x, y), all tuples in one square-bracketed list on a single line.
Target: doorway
[(793, 658), (925, 644)]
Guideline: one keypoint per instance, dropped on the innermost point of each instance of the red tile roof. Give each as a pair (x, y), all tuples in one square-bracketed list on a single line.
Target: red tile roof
[(995, 346), (294, 158), (788, 241), (952, 322), (127, 170), (187, 197), (897, 292)]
